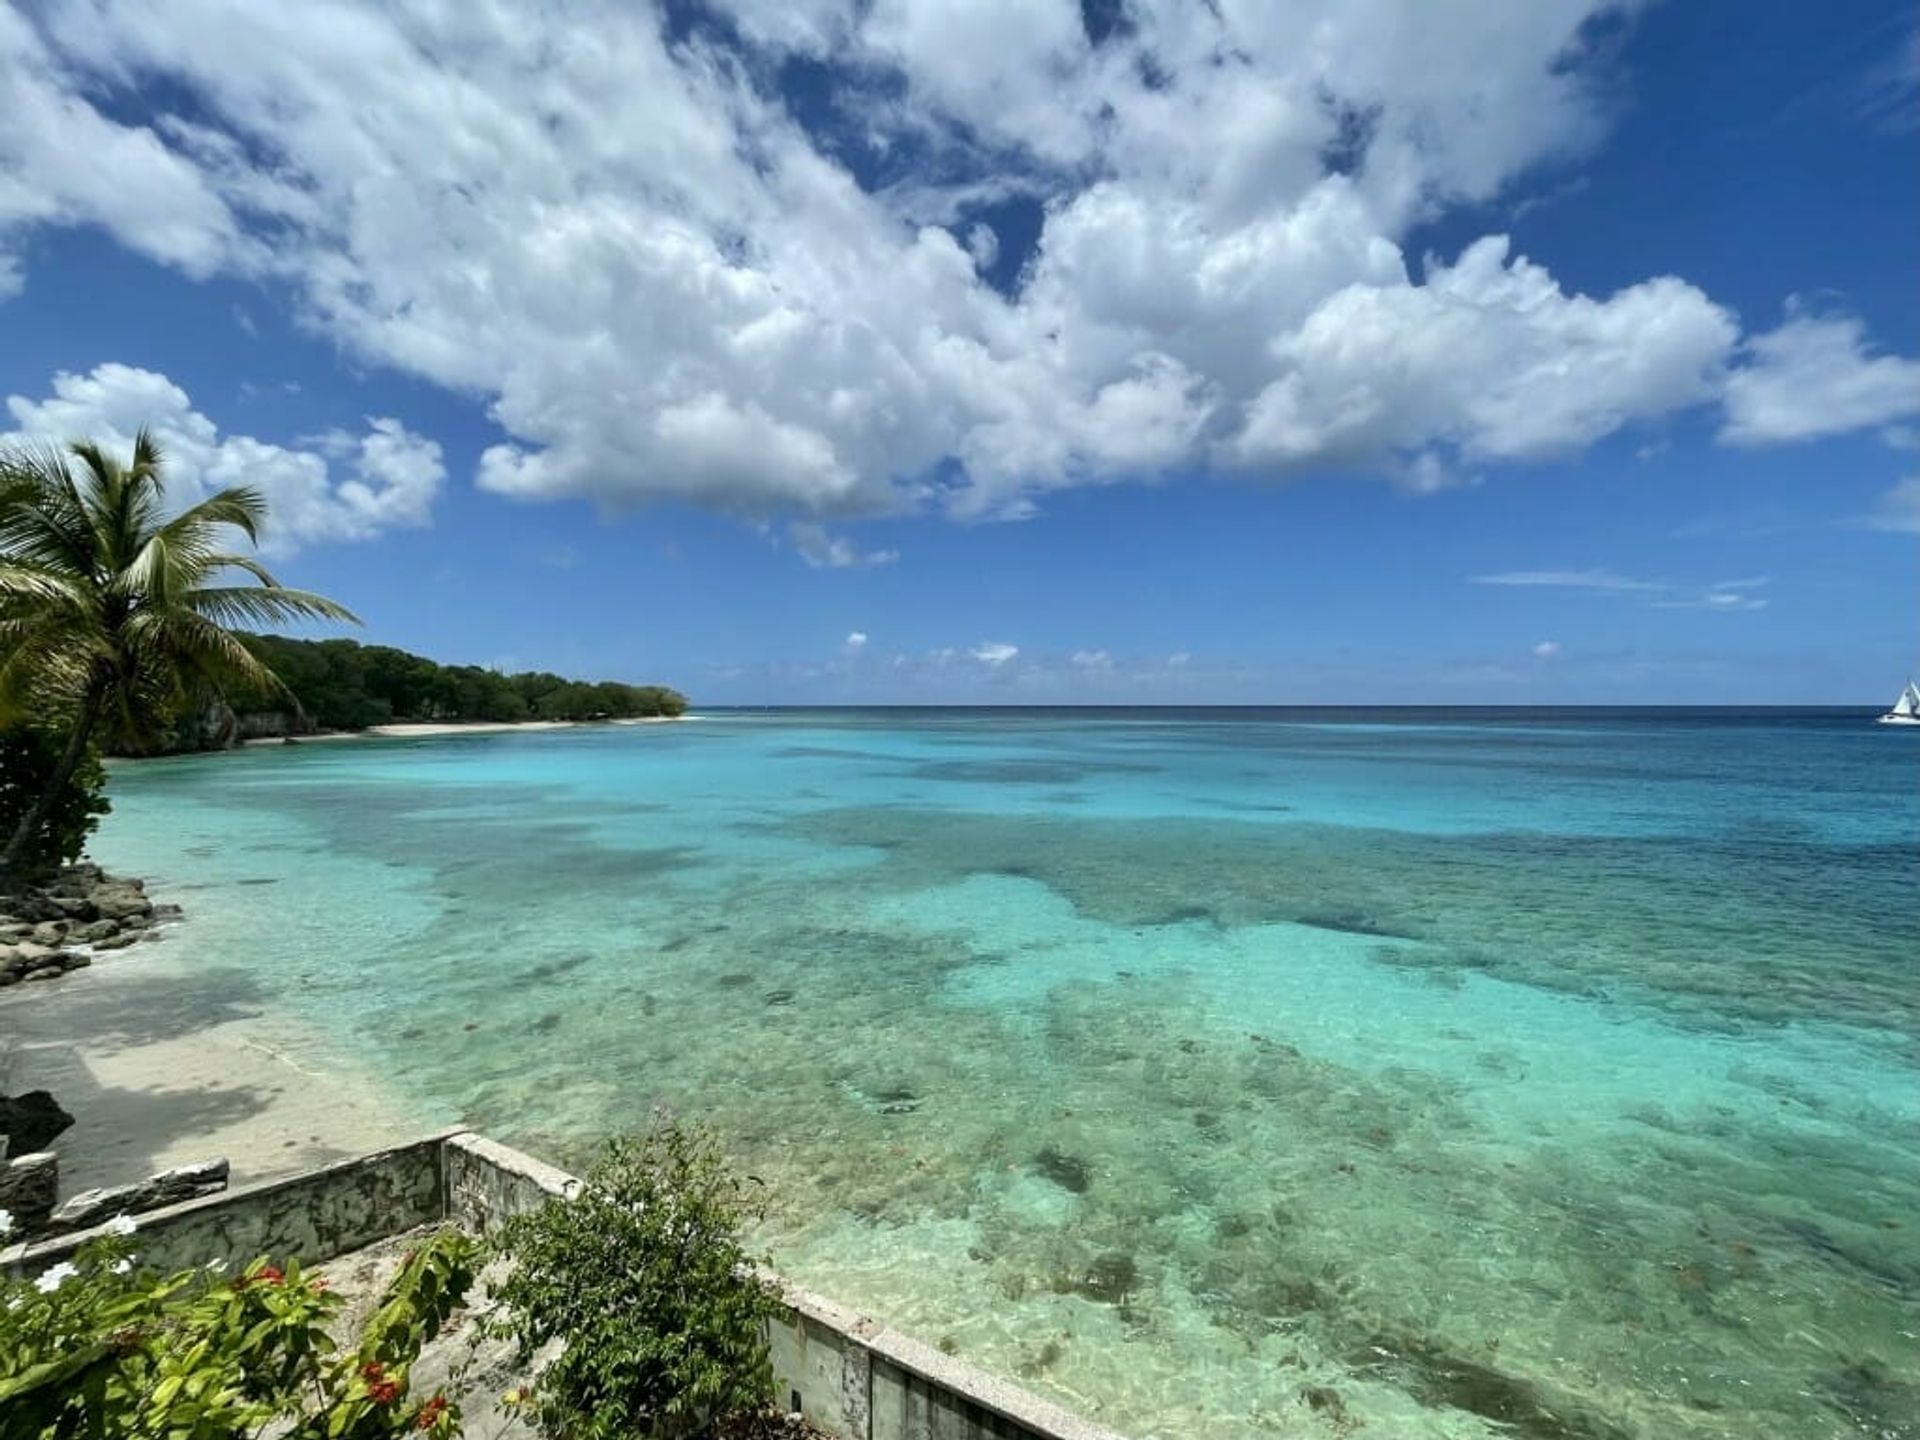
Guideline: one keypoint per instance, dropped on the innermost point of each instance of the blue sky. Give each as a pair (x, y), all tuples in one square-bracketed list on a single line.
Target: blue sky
[(907, 352)]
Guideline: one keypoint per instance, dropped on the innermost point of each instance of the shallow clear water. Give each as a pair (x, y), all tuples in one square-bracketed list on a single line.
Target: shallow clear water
[(1218, 1073)]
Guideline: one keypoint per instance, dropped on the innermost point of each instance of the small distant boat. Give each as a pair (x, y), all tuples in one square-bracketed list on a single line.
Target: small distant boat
[(1906, 710)]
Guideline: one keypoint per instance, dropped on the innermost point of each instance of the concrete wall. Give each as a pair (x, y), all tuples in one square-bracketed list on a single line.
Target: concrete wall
[(316, 1215), (849, 1375)]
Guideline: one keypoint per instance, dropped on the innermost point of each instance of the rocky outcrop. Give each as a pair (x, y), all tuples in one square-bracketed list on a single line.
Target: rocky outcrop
[(29, 1185), (55, 927), (30, 1122)]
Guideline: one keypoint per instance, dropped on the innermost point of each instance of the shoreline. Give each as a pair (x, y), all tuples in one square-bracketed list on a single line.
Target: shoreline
[(162, 1063), (431, 729)]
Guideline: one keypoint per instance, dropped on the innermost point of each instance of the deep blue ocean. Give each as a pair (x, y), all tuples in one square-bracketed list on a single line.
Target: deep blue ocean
[(1387, 1073)]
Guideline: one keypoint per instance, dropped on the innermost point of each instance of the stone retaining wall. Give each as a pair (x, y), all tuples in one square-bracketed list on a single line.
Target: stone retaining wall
[(851, 1376)]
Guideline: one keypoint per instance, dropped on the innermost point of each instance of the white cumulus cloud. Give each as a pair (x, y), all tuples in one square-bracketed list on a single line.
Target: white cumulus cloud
[(1816, 376), (857, 640), (994, 652), (1547, 649), (342, 486), (665, 282)]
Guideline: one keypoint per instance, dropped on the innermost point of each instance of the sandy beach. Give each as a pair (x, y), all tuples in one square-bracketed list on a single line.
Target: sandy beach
[(422, 730), (162, 1062)]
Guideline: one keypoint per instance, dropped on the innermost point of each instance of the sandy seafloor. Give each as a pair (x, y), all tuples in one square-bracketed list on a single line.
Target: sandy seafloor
[(1229, 1075)]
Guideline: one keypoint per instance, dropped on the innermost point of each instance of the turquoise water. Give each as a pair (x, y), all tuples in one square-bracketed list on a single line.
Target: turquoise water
[(1222, 1074)]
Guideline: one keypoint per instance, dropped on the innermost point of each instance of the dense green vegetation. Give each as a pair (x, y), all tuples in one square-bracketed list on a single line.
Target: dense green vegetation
[(30, 757), (115, 618), (645, 1276), (100, 1346), (344, 685)]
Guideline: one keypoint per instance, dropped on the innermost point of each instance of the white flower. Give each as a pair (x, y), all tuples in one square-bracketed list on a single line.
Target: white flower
[(121, 1266), (120, 1225), (6, 1223), (53, 1279)]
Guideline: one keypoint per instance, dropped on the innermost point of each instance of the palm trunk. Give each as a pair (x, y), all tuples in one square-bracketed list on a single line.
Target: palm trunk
[(11, 863)]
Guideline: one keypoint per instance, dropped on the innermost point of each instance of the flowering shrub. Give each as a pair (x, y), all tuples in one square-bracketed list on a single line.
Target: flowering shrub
[(644, 1277), (98, 1347)]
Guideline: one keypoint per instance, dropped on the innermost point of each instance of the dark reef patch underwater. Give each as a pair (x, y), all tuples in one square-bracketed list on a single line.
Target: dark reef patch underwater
[(1226, 1074)]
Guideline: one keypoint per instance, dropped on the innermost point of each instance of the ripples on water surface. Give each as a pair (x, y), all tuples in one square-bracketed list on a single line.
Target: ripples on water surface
[(1220, 1074)]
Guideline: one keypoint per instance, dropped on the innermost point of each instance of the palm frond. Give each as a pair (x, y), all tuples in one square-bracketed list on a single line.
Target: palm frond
[(262, 605), (29, 584), (241, 506), (103, 597)]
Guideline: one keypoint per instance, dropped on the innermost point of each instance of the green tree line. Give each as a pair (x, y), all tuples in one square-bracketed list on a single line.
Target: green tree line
[(344, 685)]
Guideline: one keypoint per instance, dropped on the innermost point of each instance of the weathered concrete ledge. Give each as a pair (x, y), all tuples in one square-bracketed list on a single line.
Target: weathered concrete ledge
[(316, 1215), (851, 1376)]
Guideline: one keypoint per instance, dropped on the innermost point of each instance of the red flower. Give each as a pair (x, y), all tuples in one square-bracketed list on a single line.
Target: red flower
[(380, 1389), (265, 1275), (430, 1412)]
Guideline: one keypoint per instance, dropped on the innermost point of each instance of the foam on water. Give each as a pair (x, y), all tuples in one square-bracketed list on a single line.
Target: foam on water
[(1218, 1075)]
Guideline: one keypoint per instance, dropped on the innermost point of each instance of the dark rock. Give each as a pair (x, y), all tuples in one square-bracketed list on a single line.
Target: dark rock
[(29, 1184), (31, 1121), (52, 972), (121, 901), (120, 941), (1069, 1172), (97, 931), (1325, 1401)]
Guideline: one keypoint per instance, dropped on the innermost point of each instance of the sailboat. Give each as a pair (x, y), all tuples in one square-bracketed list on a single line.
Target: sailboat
[(1906, 710)]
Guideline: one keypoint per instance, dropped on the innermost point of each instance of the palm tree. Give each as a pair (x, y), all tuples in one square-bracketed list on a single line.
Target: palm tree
[(111, 613)]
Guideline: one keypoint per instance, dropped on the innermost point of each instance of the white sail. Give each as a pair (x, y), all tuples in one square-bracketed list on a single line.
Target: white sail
[(1906, 710)]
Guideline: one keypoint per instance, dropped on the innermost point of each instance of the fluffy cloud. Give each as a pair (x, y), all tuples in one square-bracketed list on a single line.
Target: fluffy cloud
[(342, 487), (857, 640), (994, 652), (1546, 649), (668, 283), (1816, 376), (149, 195)]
